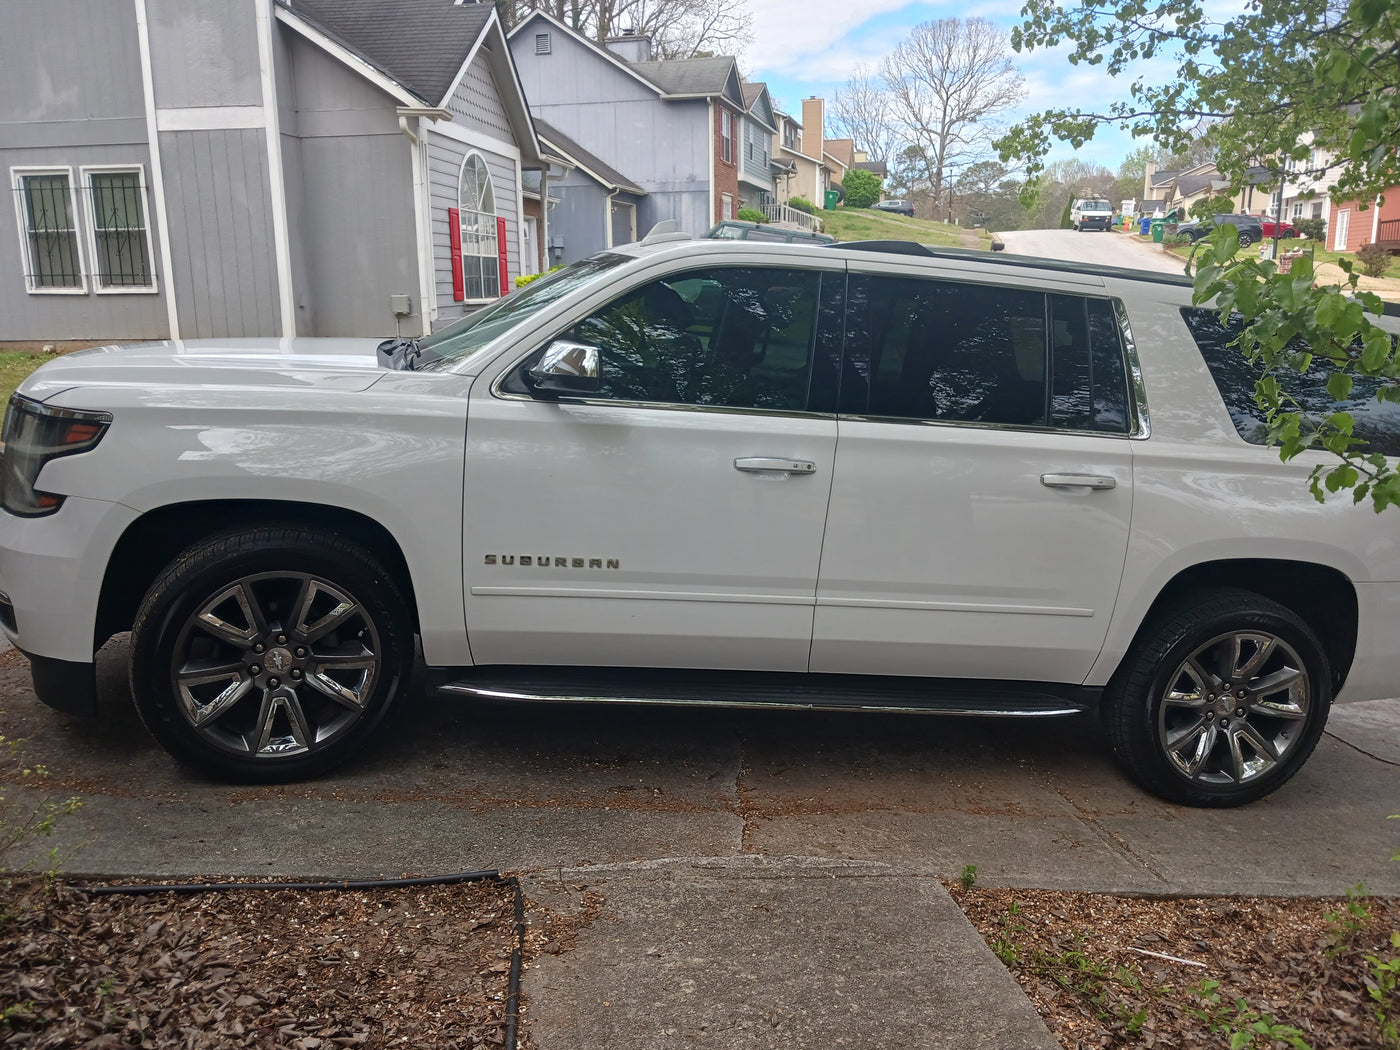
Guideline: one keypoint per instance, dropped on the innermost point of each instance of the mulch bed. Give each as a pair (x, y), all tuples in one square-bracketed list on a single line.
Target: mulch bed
[(415, 967), (1269, 965)]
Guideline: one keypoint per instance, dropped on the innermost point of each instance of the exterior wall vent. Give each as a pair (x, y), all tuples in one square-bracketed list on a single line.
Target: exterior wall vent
[(542, 44)]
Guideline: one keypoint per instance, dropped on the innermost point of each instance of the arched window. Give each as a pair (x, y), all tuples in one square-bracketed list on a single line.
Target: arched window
[(480, 276)]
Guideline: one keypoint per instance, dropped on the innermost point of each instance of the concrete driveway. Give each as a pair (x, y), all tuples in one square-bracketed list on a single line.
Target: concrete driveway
[(768, 875), (1092, 246)]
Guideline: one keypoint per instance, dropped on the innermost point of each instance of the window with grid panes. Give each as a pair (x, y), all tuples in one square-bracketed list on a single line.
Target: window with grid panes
[(480, 274), (51, 256), (120, 237)]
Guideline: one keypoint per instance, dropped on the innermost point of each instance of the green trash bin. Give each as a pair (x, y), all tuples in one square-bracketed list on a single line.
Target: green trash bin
[(832, 196), (1158, 227)]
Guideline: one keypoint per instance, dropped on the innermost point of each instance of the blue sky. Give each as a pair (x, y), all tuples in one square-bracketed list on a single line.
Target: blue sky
[(811, 47)]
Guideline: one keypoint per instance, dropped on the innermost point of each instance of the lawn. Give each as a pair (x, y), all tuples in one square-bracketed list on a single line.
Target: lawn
[(14, 366), (1320, 255), (862, 224)]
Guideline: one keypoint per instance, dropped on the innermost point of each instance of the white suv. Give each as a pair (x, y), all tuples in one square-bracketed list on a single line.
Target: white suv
[(872, 476)]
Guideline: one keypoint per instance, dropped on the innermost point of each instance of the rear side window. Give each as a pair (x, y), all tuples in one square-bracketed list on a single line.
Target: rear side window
[(936, 350), (1377, 422)]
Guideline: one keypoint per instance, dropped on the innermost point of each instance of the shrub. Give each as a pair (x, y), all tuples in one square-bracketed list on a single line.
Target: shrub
[(862, 188), (526, 278), (1067, 216), (751, 215), (803, 204), (1374, 259), (1313, 229)]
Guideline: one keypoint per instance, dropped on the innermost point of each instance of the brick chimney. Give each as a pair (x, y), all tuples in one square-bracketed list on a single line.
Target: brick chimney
[(813, 126), (1147, 180)]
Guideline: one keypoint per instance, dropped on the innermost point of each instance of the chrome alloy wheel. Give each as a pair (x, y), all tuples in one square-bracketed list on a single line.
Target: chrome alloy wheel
[(1234, 708), (276, 664)]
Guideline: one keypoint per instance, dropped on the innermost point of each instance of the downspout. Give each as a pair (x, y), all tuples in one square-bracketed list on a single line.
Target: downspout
[(421, 212), (607, 212)]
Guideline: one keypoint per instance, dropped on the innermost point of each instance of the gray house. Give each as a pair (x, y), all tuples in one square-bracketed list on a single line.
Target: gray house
[(594, 204), (670, 129), (757, 170), (200, 168)]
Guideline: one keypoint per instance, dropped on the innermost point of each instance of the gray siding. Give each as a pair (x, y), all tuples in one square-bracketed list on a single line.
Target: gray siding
[(57, 109), (217, 193), (349, 176), (665, 147), (204, 53), (476, 103), (578, 221), (757, 154), (445, 157)]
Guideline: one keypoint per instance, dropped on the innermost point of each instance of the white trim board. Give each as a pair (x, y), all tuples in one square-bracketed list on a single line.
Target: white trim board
[(143, 37), (277, 186), (210, 118), (349, 58), (476, 139)]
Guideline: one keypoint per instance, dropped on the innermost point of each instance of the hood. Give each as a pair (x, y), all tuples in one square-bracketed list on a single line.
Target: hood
[(340, 363)]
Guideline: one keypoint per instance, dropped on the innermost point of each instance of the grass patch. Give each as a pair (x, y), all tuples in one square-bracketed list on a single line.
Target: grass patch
[(862, 224), (1319, 255), (15, 365)]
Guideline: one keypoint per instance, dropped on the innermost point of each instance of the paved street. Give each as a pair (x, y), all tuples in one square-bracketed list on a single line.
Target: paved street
[(1106, 249)]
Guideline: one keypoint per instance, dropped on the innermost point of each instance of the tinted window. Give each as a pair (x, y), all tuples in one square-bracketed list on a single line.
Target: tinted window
[(934, 350), (1377, 423), (737, 337)]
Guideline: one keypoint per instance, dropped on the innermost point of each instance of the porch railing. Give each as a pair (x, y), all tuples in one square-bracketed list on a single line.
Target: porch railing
[(792, 217)]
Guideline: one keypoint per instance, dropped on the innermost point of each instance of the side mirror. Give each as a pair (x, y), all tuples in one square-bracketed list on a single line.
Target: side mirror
[(567, 368)]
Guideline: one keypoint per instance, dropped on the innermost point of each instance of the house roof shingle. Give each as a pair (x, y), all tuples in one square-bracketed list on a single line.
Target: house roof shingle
[(419, 43), (690, 76)]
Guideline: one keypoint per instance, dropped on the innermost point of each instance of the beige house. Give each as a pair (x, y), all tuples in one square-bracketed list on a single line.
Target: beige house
[(802, 146), (1167, 191)]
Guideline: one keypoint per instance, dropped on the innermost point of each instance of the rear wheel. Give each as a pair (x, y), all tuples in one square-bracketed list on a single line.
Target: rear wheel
[(269, 654), (1245, 239), (1222, 701)]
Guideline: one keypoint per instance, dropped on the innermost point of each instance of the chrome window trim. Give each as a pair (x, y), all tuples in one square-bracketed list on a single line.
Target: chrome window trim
[(674, 406), (1141, 429), (972, 424)]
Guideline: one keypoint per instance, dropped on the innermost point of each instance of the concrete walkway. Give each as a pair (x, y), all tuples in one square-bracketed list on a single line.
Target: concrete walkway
[(766, 879)]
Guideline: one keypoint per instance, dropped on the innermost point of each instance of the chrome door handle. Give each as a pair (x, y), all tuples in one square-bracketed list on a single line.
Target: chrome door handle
[(772, 464), (1077, 481)]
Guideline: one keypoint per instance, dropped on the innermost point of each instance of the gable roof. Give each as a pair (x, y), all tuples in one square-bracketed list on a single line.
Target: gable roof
[(586, 162), (759, 105), (695, 77), (602, 52), (877, 167), (419, 43)]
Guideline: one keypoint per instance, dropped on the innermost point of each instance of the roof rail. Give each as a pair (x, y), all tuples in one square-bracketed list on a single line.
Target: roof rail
[(934, 251)]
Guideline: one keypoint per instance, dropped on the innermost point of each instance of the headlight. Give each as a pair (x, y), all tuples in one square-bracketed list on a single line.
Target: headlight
[(34, 434)]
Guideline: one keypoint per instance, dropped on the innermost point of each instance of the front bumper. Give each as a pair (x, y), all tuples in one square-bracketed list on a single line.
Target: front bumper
[(51, 571)]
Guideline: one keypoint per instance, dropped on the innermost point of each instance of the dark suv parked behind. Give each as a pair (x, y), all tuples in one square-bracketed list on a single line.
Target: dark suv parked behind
[(1251, 229)]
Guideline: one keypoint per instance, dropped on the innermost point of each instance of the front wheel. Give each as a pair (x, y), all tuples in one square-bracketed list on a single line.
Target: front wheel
[(270, 654), (1246, 240), (1222, 701)]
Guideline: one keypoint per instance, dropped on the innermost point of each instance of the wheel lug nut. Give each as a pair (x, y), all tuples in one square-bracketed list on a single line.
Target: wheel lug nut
[(281, 639), (300, 652), (259, 647), (255, 669), (296, 673), (274, 682), (1240, 694), (1239, 713)]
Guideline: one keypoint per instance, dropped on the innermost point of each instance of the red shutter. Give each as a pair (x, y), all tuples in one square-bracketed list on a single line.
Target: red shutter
[(454, 238), (501, 255)]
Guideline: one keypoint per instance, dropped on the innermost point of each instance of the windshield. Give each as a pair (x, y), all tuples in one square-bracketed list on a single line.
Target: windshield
[(464, 337), (1094, 206)]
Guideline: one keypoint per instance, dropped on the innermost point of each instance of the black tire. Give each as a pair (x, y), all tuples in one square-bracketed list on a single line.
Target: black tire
[(1245, 240), (305, 640), (1180, 652)]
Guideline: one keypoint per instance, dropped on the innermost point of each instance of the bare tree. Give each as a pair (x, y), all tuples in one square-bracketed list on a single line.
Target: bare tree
[(947, 83), (678, 28), (862, 112)]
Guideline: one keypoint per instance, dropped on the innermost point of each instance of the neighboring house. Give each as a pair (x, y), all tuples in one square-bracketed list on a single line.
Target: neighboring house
[(670, 129), (272, 167), (1179, 190), (757, 171), (1349, 227), (802, 176), (597, 205)]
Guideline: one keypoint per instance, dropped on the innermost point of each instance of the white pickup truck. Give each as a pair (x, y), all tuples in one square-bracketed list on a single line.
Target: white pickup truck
[(869, 476)]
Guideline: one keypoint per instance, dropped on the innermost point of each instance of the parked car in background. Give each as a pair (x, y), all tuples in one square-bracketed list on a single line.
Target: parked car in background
[(901, 207), (1251, 230), (869, 476), (1285, 229), (739, 230)]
